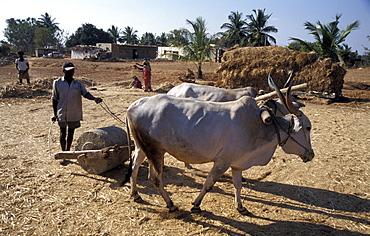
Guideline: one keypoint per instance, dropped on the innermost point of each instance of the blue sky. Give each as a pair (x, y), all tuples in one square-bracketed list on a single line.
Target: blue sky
[(165, 15)]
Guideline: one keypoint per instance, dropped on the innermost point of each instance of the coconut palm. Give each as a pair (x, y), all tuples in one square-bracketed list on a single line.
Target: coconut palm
[(45, 21), (236, 30), (162, 39), (129, 36), (114, 32), (259, 31), (199, 48), (148, 39), (328, 37)]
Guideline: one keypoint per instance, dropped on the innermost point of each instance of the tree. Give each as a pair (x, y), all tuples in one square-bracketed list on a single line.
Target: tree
[(4, 48), (259, 30), (21, 33), (129, 36), (199, 48), (88, 34), (114, 33), (44, 38), (177, 37), (328, 37), (61, 39), (46, 31), (162, 39), (236, 30), (46, 22), (300, 47), (148, 39)]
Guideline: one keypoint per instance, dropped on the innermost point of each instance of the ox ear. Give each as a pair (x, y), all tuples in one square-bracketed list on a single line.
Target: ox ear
[(266, 117), (296, 124)]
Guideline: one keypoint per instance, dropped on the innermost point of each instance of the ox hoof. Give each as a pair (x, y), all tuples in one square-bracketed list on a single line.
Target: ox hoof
[(196, 210), (173, 209), (244, 212), (138, 199)]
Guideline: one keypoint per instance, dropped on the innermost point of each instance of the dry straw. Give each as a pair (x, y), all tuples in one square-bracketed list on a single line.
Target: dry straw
[(250, 66)]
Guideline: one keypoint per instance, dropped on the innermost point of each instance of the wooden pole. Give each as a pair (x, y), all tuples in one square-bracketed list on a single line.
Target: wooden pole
[(269, 95), (91, 153)]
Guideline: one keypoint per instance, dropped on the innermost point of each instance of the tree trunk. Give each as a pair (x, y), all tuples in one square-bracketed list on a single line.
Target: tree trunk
[(200, 73)]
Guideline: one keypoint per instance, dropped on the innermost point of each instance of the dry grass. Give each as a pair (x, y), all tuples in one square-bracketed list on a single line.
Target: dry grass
[(327, 196), (249, 66)]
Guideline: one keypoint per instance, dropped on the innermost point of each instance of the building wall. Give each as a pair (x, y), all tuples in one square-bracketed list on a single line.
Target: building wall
[(81, 54), (169, 53), (129, 51)]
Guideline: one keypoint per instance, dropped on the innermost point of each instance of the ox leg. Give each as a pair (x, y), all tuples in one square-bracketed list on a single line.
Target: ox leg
[(156, 176), (139, 157), (237, 180), (217, 171)]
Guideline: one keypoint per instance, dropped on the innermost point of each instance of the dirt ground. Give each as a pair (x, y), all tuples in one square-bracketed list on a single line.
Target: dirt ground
[(328, 196)]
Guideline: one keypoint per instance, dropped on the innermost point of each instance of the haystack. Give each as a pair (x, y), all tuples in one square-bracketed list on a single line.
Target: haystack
[(250, 66)]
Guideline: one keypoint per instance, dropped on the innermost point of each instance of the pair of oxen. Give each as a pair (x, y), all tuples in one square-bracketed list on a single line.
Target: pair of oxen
[(200, 124)]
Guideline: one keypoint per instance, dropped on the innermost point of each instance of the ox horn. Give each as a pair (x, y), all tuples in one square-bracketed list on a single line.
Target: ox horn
[(287, 102), (273, 86), (293, 109), (289, 81)]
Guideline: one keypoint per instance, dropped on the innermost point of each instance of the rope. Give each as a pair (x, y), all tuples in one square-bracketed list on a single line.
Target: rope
[(49, 135), (106, 108)]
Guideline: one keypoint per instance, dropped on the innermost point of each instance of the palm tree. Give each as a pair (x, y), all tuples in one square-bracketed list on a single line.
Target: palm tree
[(129, 36), (199, 48), (162, 39), (45, 21), (148, 39), (259, 30), (114, 32), (236, 30), (328, 37), (177, 38)]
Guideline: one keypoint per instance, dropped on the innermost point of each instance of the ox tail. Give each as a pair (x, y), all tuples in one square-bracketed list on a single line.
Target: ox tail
[(129, 170)]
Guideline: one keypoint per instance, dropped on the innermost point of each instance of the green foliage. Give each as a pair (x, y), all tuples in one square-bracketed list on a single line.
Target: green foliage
[(114, 33), (129, 36), (328, 37), (252, 31), (4, 48), (259, 30), (26, 34), (44, 38), (199, 48), (148, 39), (177, 38), (88, 34), (21, 33), (236, 30), (162, 40)]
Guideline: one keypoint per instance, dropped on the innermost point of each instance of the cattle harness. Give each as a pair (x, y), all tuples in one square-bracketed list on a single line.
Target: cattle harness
[(276, 123)]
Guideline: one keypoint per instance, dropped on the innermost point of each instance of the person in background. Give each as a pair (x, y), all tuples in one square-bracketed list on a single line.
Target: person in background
[(67, 104), (136, 83), (22, 66), (147, 74)]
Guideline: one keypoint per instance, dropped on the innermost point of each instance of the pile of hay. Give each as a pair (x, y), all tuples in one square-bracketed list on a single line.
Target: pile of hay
[(250, 66), (37, 88)]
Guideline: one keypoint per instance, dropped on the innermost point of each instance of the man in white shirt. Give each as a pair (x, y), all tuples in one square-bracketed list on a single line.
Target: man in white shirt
[(67, 104), (22, 66)]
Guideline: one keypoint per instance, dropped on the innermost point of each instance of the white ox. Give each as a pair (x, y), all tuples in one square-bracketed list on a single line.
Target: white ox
[(215, 94), (210, 93), (229, 134)]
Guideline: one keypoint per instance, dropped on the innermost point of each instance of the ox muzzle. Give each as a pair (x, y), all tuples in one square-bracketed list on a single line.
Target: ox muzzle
[(308, 156)]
